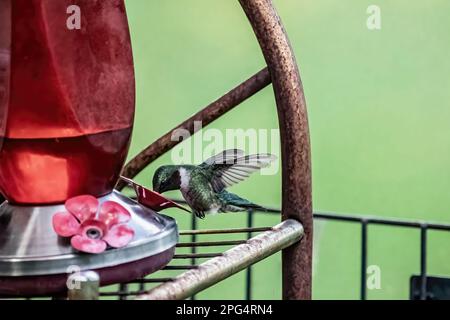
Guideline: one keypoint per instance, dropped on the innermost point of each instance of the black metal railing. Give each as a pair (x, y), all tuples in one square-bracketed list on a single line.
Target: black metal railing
[(364, 221)]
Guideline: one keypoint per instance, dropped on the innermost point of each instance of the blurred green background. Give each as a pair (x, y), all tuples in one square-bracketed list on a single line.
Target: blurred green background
[(379, 122)]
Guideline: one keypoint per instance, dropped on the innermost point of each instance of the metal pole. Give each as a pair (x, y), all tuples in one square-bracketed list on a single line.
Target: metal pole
[(193, 240), (363, 259), (423, 262), (231, 262), (83, 286), (248, 276), (293, 123)]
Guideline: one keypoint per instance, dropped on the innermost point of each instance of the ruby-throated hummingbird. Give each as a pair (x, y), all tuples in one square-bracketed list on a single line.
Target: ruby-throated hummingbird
[(203, 186)]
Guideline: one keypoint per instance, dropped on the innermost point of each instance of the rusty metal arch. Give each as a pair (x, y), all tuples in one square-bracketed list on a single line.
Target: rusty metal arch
[(283, 72)]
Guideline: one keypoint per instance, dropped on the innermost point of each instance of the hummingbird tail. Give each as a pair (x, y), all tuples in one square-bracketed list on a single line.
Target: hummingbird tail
[(244, 207), (234, 203), (257, 207)]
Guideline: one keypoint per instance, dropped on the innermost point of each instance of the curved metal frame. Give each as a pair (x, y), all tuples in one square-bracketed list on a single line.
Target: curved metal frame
[(293, 122), (294, 131)]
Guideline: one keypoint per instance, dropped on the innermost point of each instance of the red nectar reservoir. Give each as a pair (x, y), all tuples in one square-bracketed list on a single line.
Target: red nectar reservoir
[(66, 113), (66, 98)]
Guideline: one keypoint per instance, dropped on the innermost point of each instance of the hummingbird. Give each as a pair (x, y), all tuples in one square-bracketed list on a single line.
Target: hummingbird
[(204, 186)]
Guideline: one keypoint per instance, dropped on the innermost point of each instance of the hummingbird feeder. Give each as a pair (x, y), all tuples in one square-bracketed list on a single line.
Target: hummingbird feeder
[(66, 116)]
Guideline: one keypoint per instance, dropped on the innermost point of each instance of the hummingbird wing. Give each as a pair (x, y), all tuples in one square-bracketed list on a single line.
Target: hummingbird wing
[(224, 157), (231, 167)]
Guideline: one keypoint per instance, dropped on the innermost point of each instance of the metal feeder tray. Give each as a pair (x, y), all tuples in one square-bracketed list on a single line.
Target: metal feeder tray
[(34, 260)]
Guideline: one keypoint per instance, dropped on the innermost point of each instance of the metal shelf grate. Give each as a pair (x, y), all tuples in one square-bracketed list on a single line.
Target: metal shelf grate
[(191, 239)]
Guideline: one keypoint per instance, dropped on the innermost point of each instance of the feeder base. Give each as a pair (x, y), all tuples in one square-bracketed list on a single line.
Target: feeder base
[(34, 260)]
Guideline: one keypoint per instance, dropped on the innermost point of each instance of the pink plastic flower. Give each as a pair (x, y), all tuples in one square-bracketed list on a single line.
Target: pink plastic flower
[(92, 228)]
